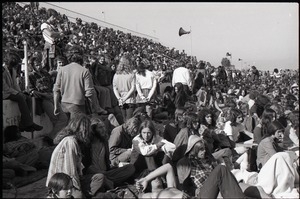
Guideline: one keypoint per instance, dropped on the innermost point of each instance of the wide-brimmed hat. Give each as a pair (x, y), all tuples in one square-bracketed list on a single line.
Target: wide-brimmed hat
[(193, 139)]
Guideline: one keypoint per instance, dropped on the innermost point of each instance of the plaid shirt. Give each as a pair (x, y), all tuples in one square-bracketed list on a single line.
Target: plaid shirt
[(200, 171)]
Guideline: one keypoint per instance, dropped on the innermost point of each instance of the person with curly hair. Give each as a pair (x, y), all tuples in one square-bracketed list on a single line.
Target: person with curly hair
[(68, 155)]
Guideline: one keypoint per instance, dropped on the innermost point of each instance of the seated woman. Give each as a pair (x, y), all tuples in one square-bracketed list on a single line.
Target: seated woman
[(207, 178), (180, 97), (269, 144), (291, 133), (234, 127), (267, 116), (150, 148), (218, 103), (190, 126), (215, 145)]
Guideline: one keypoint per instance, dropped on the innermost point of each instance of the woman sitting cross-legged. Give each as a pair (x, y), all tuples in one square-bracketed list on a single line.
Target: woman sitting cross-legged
[(149, 149)]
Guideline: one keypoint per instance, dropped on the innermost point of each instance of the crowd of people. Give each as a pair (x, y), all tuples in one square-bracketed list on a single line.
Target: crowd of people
[(230, 133)]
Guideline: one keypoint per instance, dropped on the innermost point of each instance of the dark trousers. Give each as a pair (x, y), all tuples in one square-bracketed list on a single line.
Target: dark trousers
[(221, 180), (147, 162), (120, 175), (25, 106)]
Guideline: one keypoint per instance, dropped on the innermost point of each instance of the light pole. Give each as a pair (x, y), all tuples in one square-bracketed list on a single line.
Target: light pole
[(154, 31), (241, 61), (103, 15)]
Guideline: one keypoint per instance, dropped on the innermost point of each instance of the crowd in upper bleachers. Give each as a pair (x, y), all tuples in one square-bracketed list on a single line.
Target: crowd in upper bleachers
[(227, 132)]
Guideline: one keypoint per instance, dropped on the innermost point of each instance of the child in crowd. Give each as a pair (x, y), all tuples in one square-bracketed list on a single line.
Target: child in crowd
[(60, 186)]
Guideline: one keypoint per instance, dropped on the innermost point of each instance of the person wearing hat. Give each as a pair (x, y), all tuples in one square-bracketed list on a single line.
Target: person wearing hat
[(50, 36), (207, 178)]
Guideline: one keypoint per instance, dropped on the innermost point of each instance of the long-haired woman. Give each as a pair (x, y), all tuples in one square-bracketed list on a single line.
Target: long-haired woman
[(124, 87), (146, 86), (150, 148), (68, 154)]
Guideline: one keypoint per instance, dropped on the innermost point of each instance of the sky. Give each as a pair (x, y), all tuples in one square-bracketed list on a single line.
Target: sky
[(265, 35)]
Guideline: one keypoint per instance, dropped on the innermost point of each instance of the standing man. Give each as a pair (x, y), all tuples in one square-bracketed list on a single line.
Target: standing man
[(74, 85), (182, 74), (50, 36)]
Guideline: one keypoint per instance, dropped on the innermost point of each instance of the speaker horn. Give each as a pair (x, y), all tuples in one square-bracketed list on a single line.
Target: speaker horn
[(182, 32)]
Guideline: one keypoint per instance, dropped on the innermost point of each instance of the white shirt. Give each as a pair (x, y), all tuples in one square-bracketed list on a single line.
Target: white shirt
[(145, 82), (45, 35), (233, 131), (182, 75), (251, 102)]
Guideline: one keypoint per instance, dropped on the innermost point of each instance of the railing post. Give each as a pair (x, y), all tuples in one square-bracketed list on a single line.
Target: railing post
[(26, 64)]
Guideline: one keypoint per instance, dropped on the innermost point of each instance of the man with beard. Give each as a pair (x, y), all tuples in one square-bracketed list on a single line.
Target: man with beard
[(96, 156), (120, 140)]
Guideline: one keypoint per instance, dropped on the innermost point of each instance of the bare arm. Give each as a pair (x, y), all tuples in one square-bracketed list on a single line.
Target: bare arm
[(165, 169), (57, 93), (217, 106), (130, 92), (154, 83), (139, 91)]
